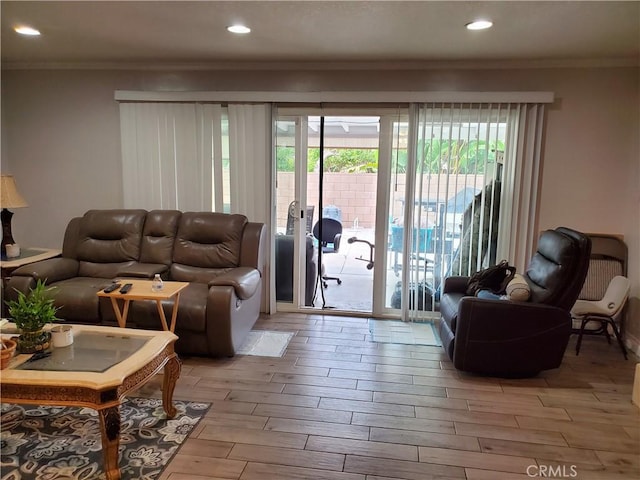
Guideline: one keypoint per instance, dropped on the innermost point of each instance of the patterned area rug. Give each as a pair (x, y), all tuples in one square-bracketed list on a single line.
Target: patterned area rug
[(265, 343), (46, 443)]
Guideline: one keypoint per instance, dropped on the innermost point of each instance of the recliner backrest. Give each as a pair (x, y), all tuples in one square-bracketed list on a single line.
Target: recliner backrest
[(158, 236), (570, 294), (108, 240), (206, 245), (557, 270)]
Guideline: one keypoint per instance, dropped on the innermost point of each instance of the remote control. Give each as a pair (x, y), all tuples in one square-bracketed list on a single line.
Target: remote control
[(111, 288), (38, 356), (126, 287)]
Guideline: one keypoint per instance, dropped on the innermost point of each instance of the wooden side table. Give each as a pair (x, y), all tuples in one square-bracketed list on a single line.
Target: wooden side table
[(27, 256), (141, 290)]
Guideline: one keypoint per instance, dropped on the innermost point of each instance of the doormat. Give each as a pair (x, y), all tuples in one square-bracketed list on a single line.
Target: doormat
[(265, 343), (43, 443), (405, 333)]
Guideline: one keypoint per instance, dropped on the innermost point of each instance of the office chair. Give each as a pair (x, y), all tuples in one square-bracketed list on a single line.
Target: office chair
[(329, 243), (603, 312)]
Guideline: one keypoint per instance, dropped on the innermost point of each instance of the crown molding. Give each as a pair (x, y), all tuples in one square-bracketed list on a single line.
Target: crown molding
[(623, 62)]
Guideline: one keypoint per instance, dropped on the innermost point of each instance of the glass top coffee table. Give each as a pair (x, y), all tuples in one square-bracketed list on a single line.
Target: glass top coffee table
[(97, 370)]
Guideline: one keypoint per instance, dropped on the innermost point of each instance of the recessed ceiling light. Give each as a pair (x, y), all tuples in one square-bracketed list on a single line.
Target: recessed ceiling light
[(238, 29), (24, 30), (479, 25)]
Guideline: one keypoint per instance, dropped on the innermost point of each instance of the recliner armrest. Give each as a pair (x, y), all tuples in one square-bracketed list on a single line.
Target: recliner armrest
[(498, 320), (245, 281), (455, 284), (142, 270), (50, 270)]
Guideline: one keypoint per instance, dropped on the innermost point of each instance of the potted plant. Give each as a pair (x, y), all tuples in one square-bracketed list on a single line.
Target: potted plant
[(31, 312)]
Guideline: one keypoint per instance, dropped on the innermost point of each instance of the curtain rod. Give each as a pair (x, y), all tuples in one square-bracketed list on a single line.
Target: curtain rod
[(335, 97)]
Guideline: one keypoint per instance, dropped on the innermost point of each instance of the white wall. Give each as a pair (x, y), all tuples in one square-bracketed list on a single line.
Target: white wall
[(60, 138)]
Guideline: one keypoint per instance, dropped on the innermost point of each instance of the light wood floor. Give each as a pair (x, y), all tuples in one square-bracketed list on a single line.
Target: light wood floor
[(338, 407)]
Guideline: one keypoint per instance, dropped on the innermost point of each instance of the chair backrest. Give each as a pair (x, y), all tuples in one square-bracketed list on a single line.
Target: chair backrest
[(608, 260), (557, 270), (616, 295), (330, 228)]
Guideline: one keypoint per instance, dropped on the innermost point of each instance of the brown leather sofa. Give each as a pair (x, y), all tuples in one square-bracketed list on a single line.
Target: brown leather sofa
[(518, 339), (221, 256)]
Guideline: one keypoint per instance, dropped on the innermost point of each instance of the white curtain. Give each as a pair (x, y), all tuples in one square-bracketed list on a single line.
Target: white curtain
[(250, 149), (168, 155)]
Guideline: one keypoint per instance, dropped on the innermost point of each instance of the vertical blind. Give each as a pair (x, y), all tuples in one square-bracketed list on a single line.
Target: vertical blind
[(167, 155), (471, 193), (173, 157)]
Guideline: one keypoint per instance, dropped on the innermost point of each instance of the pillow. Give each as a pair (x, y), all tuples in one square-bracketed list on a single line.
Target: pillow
[(518, 289)]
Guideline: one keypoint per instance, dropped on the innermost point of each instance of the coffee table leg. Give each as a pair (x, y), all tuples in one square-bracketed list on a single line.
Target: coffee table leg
[(110, 427), (171, 375)]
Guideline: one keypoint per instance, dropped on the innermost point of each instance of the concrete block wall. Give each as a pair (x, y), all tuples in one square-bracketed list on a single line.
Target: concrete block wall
[(355, 194)]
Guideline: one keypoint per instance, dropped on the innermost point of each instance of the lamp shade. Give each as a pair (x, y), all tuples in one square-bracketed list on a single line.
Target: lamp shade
[(9, 195)]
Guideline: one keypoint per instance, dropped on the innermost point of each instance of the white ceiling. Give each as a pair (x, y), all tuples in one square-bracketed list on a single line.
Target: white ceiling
[(348, 33)]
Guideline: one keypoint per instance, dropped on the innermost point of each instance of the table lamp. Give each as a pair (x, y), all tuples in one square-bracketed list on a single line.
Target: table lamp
[(9, 198)]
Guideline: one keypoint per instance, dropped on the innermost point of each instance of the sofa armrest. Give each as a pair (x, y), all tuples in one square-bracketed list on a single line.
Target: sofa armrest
[(455, 284), (244, 280), (253, 252), (142, 270), (51, 270)]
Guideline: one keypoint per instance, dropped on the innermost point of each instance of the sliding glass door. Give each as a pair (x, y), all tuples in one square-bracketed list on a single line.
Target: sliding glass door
[(405, 197), (327, 188)]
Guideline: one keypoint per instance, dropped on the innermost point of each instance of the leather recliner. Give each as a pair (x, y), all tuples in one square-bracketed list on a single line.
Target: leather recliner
[(518, 339)]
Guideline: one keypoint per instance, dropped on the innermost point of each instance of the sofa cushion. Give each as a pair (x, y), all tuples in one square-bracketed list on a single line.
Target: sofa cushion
[(104, 270), (209, 240), (78, 300), (188, 273), (108, 237), (159, 233)]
